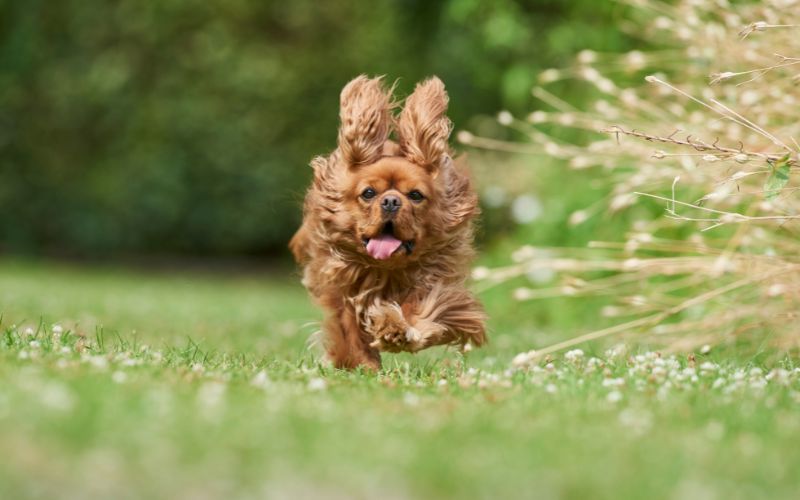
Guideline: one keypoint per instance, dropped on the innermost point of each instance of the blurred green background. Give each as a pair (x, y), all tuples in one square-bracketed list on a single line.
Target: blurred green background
[(164, 127)]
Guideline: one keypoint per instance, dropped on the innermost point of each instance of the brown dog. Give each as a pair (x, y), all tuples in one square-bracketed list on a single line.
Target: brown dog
[(387, 233)]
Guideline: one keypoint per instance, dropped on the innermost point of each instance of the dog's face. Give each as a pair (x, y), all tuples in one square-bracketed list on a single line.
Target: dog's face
[(391, 202)]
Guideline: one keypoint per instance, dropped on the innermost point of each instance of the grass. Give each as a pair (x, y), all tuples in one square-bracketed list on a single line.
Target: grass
[(177, 385)]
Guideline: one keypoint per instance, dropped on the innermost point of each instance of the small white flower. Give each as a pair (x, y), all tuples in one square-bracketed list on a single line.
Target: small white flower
[(480, 273), (464, 137), (261, 380), (28, 332), (100, 362), (549, 75), (587, 56), (526, 208), (537, 117), (57, 397), (57, 329), (523, 358), (574, 356), (614, 397), (410, 399), (505, 118), (613, 382), (551, 388), (35, 344), (317, 384), (119, 377)]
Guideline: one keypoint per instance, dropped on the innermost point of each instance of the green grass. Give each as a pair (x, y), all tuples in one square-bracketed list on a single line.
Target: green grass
[(178, 385)]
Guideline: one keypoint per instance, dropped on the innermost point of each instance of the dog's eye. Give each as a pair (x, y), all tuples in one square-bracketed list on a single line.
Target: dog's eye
[(368, 194), (415, 196)]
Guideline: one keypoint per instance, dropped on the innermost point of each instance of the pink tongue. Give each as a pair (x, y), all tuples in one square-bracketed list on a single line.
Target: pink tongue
[(383, 246)]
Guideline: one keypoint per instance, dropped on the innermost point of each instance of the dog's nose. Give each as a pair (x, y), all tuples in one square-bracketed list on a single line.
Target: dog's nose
[(391, 203)]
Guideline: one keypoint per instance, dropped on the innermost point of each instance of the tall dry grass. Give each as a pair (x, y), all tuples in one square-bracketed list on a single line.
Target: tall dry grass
[(712, 136)]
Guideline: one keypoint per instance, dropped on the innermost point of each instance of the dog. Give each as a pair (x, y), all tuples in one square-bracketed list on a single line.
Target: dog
[(387, 235)]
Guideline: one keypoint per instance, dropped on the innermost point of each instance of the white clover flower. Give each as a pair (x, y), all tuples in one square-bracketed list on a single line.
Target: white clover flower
[(57, 329), (261, 380), (708, 367), (119, 377), (210, 396), (35, 344), (574, 356), (614, 397), (780, 376), (317, 384), (551, 388), (28, 332), (100, 362), (57, 396), (523, 359), (613, 382), (659, 372), (410, 399)]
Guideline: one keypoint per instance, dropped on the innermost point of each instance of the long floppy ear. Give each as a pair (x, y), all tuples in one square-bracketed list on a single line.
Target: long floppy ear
[(423, 128), (366, 118)]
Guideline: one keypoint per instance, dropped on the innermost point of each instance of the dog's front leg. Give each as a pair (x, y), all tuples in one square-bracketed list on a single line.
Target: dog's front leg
[(444, 315), (347, 344)]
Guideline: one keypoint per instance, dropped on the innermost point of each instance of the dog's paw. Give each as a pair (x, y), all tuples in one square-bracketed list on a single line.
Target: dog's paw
[(388, 326)]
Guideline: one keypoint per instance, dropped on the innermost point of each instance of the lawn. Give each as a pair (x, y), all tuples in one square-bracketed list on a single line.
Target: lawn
[(121, 384)]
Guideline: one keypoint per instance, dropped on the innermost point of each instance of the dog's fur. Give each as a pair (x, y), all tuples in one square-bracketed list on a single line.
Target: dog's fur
[(416, 297)]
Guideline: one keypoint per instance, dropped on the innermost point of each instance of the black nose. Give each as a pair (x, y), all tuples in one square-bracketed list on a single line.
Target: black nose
[(390, 203)]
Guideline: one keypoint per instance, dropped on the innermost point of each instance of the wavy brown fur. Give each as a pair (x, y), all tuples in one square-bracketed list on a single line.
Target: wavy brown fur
[(409, 301)]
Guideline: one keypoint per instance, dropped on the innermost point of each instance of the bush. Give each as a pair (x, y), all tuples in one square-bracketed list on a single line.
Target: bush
[(187, 126)]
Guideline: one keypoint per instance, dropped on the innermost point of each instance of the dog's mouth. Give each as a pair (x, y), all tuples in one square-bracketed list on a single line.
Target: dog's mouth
[(385, 244)]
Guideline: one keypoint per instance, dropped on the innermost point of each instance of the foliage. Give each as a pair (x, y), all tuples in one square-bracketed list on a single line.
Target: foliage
[(721, 265), (187, 126)]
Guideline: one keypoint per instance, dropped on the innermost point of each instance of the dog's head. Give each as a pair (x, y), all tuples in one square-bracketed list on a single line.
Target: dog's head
[(392, 202)]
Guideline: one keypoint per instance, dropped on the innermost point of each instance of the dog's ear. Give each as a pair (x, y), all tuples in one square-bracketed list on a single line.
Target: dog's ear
[(366, 118), (423, 128)]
